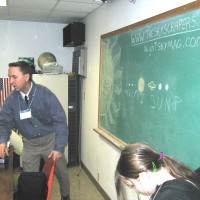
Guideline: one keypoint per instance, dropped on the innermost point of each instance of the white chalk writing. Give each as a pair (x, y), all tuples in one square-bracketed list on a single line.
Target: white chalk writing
[(178, 26)]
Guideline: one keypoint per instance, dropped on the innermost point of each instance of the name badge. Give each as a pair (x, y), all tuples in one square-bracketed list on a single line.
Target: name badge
[(25, 114)]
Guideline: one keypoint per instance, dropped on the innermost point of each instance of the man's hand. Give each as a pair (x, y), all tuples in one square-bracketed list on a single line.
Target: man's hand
[(55, 155), (3, 149)]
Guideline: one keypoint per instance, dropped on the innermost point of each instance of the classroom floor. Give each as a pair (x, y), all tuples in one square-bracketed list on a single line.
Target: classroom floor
[(82, 187)]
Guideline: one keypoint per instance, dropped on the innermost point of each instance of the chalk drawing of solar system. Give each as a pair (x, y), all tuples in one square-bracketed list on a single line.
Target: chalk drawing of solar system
[(167, 102), (152, 86), (111, 87)]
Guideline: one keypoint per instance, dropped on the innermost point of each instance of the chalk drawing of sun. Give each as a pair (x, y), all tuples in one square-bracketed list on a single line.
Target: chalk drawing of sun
[(141, 85), (111, 83)]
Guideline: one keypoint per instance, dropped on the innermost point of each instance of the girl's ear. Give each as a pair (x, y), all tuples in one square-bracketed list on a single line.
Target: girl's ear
[(128, 182)]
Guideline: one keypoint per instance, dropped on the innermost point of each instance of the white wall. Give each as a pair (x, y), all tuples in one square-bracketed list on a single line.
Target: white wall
[(30, 39), (97, 154)]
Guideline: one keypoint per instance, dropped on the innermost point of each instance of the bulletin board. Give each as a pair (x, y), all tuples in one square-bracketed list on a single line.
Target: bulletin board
[(149, 86)]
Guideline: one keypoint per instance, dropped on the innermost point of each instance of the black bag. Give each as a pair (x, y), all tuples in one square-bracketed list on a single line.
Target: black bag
[(32, 186)]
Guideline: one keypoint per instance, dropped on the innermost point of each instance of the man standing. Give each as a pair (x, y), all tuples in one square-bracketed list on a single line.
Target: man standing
[(39, 117)]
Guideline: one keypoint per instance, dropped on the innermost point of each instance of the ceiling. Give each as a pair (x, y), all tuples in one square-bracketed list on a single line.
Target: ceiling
[(50, 11)]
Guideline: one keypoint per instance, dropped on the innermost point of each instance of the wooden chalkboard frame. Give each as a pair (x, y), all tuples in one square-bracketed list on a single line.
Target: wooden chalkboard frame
[(180, 10)]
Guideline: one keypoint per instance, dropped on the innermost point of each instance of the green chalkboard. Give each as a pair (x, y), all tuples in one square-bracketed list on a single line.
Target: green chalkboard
[(150, 84)]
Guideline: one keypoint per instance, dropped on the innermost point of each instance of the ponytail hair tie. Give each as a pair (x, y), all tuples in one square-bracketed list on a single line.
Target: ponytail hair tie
[(161, 155), (154, 167)]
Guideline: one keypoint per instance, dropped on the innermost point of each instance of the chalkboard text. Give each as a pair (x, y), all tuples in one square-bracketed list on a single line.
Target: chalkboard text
[(174, 27), (165, 103)]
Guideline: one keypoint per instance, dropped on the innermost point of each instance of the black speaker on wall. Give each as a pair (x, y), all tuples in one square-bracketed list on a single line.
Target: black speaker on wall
[(74, 34)]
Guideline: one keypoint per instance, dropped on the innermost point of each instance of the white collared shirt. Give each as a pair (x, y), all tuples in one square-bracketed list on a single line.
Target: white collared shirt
[(27, 94)]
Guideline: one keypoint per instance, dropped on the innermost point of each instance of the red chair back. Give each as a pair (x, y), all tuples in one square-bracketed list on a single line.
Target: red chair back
[(48, 170)]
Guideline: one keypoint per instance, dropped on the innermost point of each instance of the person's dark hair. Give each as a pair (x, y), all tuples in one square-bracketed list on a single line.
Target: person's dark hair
[(24, 67), (138, 157)]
